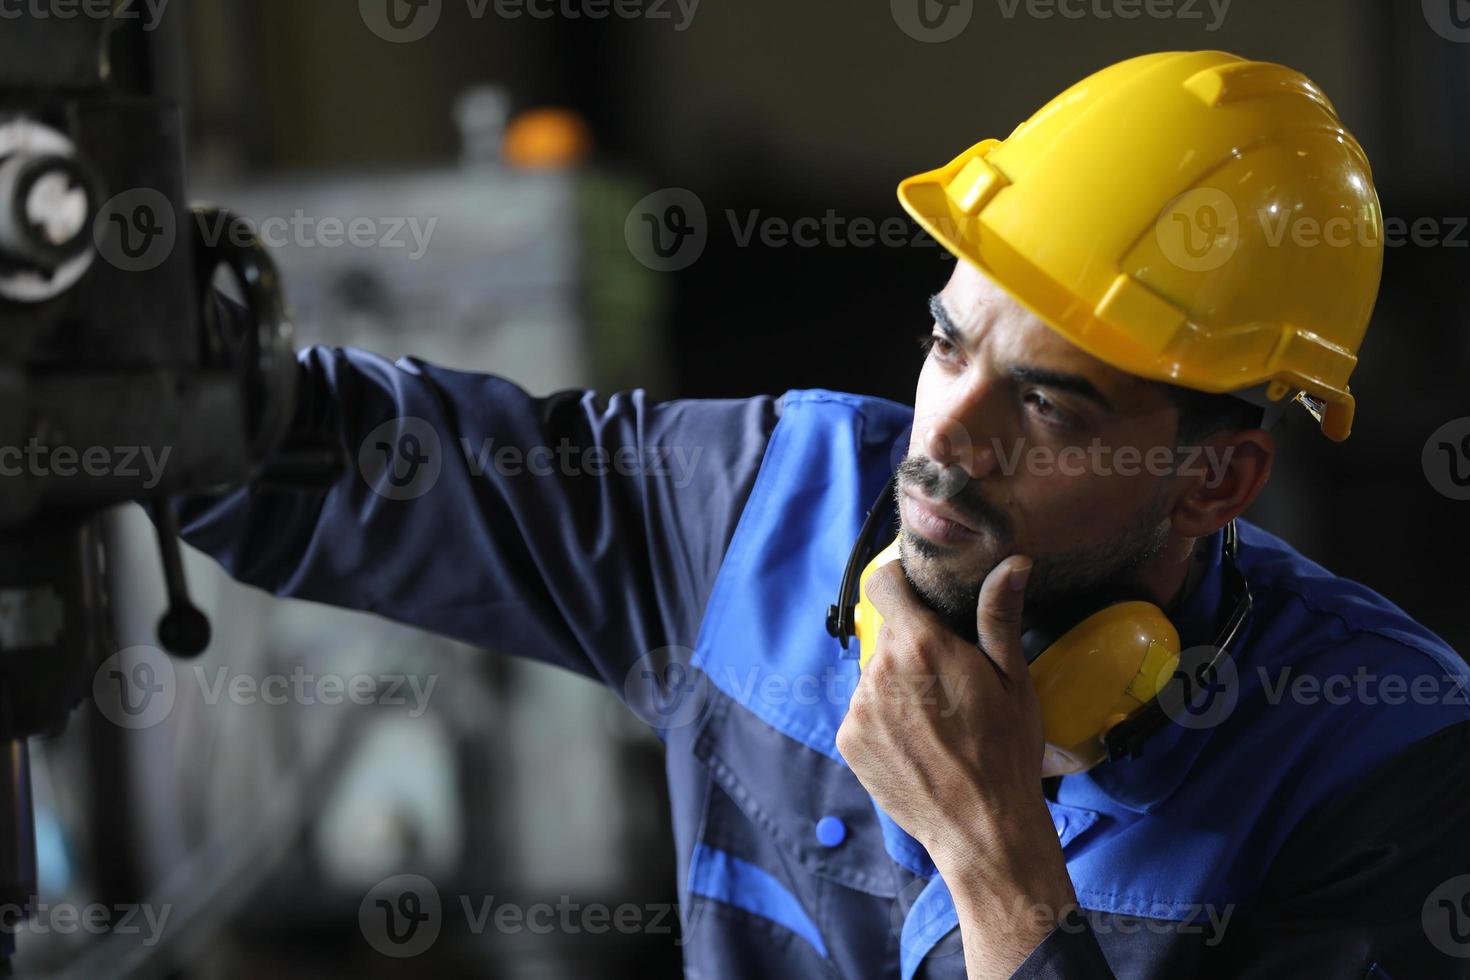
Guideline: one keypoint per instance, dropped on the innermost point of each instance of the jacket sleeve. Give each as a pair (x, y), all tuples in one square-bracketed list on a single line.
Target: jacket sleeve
[(1069, 952), (573, 530)]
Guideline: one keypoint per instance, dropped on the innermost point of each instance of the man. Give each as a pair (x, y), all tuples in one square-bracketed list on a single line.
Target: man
[(1291, 812)]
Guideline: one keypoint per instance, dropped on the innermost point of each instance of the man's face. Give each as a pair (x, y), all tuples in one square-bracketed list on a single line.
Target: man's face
[(1000, 395)]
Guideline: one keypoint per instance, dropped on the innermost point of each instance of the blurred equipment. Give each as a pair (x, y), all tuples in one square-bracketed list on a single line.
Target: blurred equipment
[(489, 775), (118, 383)]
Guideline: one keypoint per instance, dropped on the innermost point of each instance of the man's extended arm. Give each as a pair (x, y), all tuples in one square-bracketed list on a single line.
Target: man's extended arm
[(563, 528)]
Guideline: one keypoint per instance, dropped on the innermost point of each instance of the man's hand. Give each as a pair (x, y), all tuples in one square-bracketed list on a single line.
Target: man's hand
[(947, 738)]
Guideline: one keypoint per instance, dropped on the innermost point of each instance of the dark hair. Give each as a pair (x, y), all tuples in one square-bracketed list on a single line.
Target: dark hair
[(1202, 414)]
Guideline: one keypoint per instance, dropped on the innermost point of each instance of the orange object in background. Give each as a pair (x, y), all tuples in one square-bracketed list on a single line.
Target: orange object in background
[(547, 138)]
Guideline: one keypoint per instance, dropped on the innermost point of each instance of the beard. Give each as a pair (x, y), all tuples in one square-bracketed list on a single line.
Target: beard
[(1064, 587)]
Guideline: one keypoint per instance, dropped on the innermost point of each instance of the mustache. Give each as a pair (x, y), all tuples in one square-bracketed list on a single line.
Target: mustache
[(955, 487)]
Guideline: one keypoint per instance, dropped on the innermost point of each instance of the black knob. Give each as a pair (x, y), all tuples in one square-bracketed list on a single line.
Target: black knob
[(184, 631)]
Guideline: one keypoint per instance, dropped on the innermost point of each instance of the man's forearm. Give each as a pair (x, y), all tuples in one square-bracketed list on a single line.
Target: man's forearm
[(1010, 887)]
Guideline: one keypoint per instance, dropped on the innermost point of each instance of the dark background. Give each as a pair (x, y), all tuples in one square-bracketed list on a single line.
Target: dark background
[(790, 110), (761, 109)]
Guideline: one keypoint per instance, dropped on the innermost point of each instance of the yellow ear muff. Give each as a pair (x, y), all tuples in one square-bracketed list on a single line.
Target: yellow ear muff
[(1097, 674)]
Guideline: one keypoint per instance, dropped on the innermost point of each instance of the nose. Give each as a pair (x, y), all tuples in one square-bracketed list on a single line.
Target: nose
[(957, 435)]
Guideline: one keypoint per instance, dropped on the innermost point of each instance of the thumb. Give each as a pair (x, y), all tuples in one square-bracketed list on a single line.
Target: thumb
[(998, 615)]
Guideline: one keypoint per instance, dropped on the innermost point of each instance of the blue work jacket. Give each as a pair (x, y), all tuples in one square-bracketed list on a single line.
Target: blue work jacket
[(684, 553)]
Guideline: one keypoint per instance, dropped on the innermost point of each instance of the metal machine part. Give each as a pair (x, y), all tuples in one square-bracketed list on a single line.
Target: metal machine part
[(109, 354)]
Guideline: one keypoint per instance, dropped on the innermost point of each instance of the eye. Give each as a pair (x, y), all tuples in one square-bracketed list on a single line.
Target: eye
[(940, 346), (1044, 409)]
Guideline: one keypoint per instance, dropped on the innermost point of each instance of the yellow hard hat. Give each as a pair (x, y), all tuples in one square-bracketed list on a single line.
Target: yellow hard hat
[(1188, 217)]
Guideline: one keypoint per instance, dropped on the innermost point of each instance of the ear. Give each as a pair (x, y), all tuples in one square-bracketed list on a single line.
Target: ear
[(1226, 473)]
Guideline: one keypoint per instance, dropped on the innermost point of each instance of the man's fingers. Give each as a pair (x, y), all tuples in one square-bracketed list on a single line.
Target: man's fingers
[(889, 591), (998, 614)]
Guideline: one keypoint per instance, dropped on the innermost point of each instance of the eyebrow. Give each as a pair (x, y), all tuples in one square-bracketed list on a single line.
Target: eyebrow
[(942, 318), (1027, 374)]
